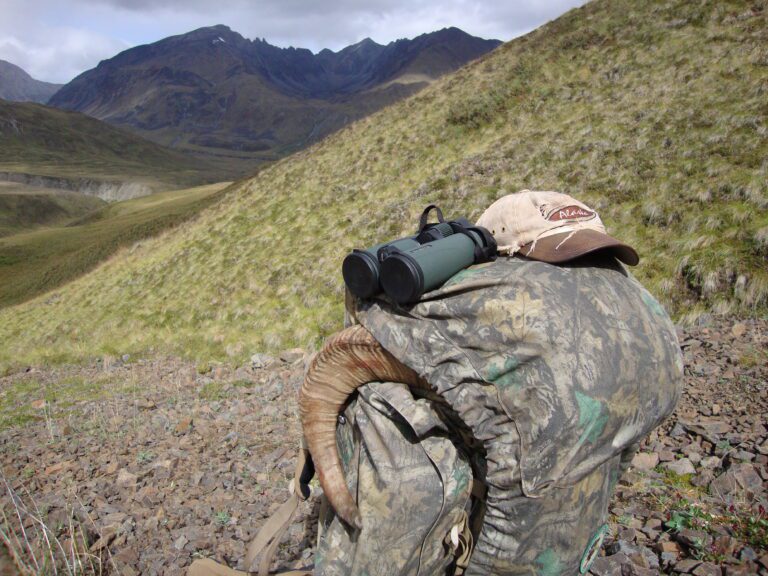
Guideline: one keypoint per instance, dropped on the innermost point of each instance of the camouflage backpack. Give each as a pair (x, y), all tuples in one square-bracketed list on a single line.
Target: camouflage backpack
[(543, 381)]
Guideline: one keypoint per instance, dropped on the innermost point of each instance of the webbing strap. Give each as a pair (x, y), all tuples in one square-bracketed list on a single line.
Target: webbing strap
[(268, 538), (207, 567), (460, 539)]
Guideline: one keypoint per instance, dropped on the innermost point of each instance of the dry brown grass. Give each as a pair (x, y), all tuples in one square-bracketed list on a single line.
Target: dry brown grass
[(72, 548)]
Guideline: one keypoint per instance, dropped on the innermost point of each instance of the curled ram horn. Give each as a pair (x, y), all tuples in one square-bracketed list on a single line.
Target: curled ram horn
[(348, 360)]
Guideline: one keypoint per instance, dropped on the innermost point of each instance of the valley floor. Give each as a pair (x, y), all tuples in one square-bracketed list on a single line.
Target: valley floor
[(140, 466)]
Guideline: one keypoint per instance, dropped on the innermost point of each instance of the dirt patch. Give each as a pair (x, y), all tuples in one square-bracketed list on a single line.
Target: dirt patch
[(109, 191)]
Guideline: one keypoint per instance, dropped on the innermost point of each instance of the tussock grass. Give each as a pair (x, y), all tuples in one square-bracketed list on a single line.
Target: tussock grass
[(653, 112)]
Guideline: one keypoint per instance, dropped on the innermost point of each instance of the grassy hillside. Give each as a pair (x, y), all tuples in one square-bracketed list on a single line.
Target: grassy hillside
[(23, 207), (36, 139), (653, 112), (40, 260)]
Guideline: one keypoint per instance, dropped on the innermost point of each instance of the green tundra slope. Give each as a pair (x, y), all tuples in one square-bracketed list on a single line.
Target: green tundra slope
[(42, 258), (653, 112), (25, 207)]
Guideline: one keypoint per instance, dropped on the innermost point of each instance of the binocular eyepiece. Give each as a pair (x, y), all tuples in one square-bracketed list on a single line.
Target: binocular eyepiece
[(408, 267)]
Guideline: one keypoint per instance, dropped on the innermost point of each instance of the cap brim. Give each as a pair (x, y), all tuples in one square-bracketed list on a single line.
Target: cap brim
[(560, 248)]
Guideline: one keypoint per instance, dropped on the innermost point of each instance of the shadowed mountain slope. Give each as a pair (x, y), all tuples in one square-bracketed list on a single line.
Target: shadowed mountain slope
[(16, 85), (654, 113), (212, 91)]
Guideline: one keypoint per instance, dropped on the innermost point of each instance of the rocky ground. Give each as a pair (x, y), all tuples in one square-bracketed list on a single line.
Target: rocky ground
[(694, 501), (178, 461)]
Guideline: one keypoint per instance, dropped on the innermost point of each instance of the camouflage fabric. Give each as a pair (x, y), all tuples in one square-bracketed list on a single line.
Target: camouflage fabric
[(403, 461), (558, 371)]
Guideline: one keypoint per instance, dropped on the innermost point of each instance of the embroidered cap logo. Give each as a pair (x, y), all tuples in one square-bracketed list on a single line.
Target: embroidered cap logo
[(570, 213)]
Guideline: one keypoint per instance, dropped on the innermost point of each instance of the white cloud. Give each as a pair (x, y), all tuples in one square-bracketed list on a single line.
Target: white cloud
[(72, 52), (56, 40), (35, 36)]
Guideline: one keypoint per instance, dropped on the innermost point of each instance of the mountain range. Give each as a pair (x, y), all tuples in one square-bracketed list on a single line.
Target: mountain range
[(18, 86), (212, 91)]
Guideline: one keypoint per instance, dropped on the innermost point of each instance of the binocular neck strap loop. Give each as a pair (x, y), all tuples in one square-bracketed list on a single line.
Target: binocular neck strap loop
[(425, 216)]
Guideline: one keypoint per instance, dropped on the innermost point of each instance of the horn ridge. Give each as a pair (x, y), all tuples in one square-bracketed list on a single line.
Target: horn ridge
[(349, 359)]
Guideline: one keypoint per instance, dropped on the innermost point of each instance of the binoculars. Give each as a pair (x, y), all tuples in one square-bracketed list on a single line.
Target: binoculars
[(408, 267)]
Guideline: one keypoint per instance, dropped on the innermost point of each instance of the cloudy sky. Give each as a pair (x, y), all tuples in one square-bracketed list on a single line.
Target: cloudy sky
[(55, 40)]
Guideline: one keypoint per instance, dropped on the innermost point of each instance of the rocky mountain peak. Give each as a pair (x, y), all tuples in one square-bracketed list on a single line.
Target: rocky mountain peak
[(18, 86), (366, 42)]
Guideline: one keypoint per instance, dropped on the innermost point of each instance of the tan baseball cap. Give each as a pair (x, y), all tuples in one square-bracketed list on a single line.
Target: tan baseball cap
[(551, 227)]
